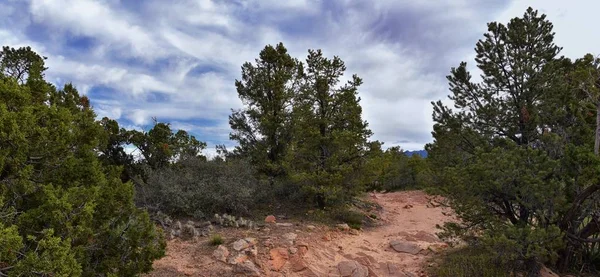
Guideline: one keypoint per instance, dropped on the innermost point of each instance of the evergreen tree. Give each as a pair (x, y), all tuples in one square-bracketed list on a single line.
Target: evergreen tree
[(62, 213), (330, 137), (514, 155), (263, 128)]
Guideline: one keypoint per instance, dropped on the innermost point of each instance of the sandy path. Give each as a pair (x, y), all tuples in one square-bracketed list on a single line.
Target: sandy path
[(406, 217)]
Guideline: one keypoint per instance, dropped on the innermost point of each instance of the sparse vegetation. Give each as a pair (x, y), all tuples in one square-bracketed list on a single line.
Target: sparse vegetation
[(216, 239)]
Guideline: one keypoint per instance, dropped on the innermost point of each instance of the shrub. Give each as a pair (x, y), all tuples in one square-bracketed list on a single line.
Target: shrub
[(199, 188), (469, 262), (215, 240), (354, 219), (62, 212)]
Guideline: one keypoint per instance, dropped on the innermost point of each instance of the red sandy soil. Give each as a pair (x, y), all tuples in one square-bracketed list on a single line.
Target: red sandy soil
[(406, 216)]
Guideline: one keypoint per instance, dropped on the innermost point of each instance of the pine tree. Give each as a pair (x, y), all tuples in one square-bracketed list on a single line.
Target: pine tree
[(330, 137), (263, 127)]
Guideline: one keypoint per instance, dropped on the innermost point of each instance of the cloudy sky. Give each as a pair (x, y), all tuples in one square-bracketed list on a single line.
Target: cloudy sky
[(178, 60)]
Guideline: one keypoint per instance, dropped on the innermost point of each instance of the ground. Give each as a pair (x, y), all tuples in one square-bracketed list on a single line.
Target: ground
[(400, 244)]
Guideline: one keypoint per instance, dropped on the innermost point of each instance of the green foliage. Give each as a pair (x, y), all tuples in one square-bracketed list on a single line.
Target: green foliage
[(392, 170), (515, 156), (300, 125), (470, 262), (354, 219), (160, 146), (263, 128), (196, 187), (62, 212), (331, 137), (215, 240)]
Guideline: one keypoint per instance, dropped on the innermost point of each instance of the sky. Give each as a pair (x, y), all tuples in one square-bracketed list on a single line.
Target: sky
[(178, 60)]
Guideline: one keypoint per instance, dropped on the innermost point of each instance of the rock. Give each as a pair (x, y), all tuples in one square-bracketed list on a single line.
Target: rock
[(297, 263), (247, 268), (239, 258), (270, 219), (405, 247), (240, 244), (426, 237), (310, 227), (293, 250), (253, 251), (178, 225), (343, 227), (279, 257), (354, 232), (290, 236), (221, 253), (302, 249), (284, 224), (352, 269)]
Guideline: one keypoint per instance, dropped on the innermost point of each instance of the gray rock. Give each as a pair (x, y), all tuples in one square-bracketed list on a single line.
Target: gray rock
[(221, 253), (310, 227), (405, 247), (343, 226), (240, 245), (247, 268), (284, 224), (290, 236)]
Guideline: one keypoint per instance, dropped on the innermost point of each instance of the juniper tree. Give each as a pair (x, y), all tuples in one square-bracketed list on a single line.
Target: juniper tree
[(62, 212)]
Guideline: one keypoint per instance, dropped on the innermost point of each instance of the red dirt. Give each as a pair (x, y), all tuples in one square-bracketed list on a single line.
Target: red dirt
[(406, 216)]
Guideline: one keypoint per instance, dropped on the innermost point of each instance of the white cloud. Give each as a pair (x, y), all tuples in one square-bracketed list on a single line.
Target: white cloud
[(402, 50)]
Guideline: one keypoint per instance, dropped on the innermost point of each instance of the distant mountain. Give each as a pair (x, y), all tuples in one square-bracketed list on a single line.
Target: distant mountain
[(422, 153)]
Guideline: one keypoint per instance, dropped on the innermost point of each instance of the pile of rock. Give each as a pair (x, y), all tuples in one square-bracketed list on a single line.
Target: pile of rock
[(190, 230), (231, 221), (242, 258)]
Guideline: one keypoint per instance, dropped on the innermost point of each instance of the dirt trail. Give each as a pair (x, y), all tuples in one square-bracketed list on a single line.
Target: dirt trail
[(407, 221)]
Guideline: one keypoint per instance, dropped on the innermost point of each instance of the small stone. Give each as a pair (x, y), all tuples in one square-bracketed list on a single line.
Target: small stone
[(293, 250), (290, 236), (310, 227), (270, 219), (354, 232), (405, 247), (251, 241), (221, 253), (284, 224), (247, 268), (343, 227), (240, 245), (239, 258)]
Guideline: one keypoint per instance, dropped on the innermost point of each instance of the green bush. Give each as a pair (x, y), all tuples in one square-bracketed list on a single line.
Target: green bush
[(216, 239), (354, 219), (62, 212), (470, 262), (199, 188)]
